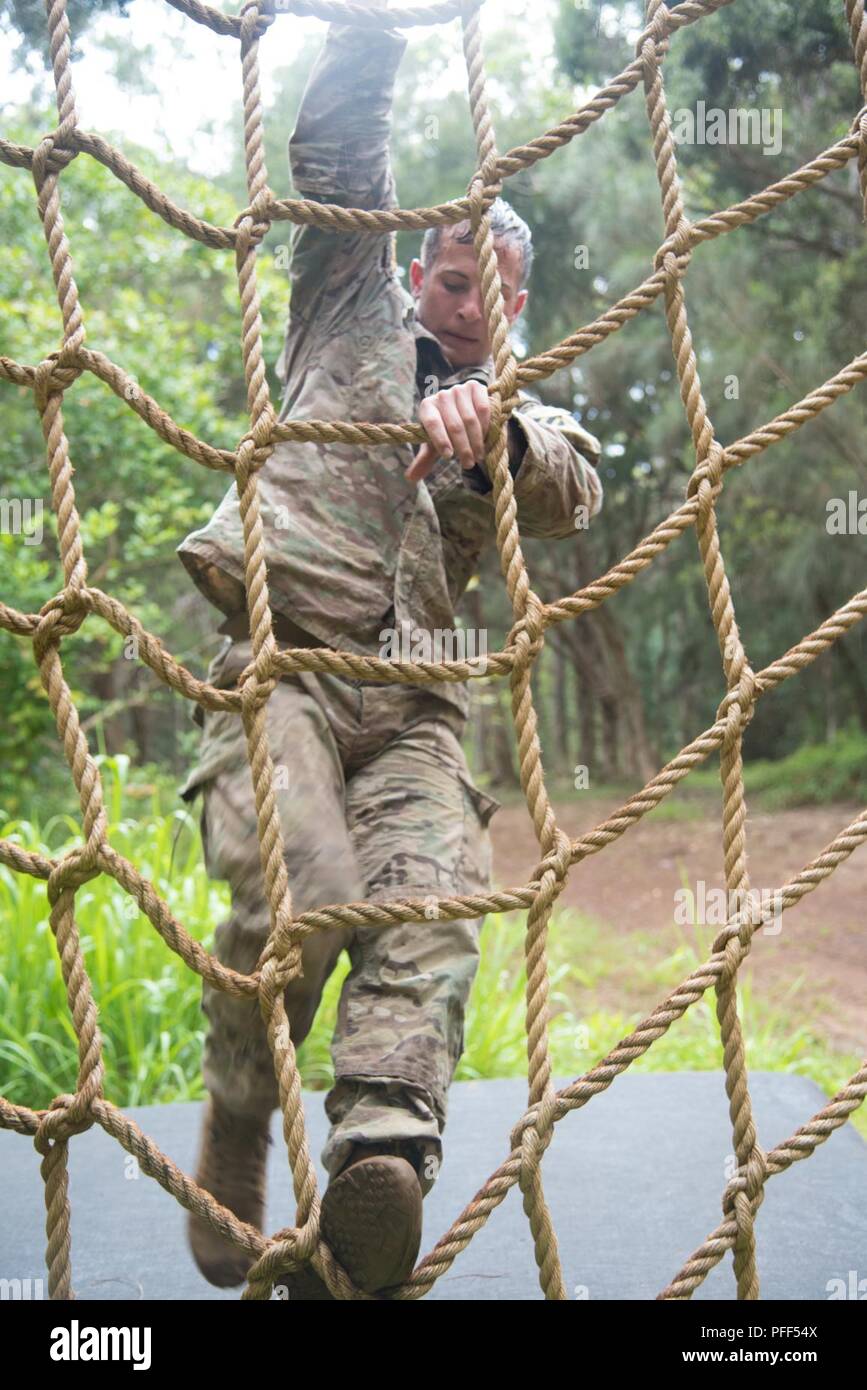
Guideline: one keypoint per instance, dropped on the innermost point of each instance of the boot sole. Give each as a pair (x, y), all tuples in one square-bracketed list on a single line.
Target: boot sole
[(371, 1219)]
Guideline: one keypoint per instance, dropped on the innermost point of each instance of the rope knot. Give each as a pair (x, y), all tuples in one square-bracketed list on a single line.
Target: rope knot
[(556, 862), (257, 16), (261, 205), (746, 691), (60, 617), (734, 941), (527, 633), (747, 1183), (503, 387), (532, 1134), (257, 442), (709, 470), (68, 609), (489, 169), (674, 254), (289, 1250), (656, 33), (862, 159), (537, 1121), (67, 1115), (255, 447), (250, 229), (256, 682), (739, 704), (483, 188), (501, 390), (537, 1137), (282, 961), (55, 373), (79, 866), (751, 912), (46, 156)]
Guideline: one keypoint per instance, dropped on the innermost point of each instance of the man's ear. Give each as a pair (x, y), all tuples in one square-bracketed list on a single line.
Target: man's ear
[(416, 275), (520, 301)]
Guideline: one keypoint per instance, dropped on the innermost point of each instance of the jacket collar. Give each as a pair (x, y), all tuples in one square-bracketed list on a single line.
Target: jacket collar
[(433, 359)]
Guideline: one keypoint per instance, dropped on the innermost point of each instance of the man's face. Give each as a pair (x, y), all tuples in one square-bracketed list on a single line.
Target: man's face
[(449, 297)]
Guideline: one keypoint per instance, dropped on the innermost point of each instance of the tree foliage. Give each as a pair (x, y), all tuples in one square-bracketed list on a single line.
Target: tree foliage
[(775, 308), (26, 20)]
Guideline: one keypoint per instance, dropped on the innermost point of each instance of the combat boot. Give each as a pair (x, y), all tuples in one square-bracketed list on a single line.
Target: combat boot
[(371, 1219), (232, 1167)]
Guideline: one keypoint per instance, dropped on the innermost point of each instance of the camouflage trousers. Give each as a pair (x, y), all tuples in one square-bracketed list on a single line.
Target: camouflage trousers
[(376, 802)]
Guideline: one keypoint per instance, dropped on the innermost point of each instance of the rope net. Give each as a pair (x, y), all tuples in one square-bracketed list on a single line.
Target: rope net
[(61, 616)]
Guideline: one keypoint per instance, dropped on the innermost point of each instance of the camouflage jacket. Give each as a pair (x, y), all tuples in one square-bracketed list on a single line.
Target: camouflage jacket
[(352, 547)]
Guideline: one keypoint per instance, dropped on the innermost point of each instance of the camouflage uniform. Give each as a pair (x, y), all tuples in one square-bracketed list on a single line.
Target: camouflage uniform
[(379, 801)]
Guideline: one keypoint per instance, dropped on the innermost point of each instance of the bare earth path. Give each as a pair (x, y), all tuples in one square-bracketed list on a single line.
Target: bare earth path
[(631, 886)]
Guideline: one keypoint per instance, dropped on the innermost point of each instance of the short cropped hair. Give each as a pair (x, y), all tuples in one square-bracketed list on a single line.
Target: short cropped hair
[(506, 226)]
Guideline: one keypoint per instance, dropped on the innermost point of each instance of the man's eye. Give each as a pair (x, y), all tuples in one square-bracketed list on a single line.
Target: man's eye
[(454, 289)]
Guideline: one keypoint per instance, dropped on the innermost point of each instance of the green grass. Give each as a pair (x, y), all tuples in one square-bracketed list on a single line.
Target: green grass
[(149, 1002), (819, 774), (816, 775), (776, 1038)]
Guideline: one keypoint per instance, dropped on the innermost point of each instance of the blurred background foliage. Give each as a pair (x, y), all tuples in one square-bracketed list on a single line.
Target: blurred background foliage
[(776, 308)]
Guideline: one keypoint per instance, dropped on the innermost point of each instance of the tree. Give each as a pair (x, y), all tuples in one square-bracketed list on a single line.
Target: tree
[(26, 19), (165, 308)]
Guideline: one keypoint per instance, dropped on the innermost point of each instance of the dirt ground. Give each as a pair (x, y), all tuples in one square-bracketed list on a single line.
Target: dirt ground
[(630, 886)]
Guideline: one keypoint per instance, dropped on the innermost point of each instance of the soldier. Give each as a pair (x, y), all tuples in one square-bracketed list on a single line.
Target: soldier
[(373, 789)]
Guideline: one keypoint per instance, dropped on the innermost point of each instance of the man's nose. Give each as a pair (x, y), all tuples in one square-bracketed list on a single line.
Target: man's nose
[(471, 311)]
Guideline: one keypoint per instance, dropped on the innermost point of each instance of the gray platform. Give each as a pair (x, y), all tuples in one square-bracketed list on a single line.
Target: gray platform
[(633, 1182)]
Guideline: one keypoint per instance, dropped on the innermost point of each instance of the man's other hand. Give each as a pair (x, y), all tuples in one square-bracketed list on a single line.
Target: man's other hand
[(456, 421)]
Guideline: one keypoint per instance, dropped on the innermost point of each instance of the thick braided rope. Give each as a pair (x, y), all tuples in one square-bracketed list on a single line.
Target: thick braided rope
[(525, 608), (281, 958), (857, 17), (706, 482)]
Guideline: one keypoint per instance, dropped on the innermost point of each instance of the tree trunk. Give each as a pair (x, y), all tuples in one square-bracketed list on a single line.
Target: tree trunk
[(561, 705)]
